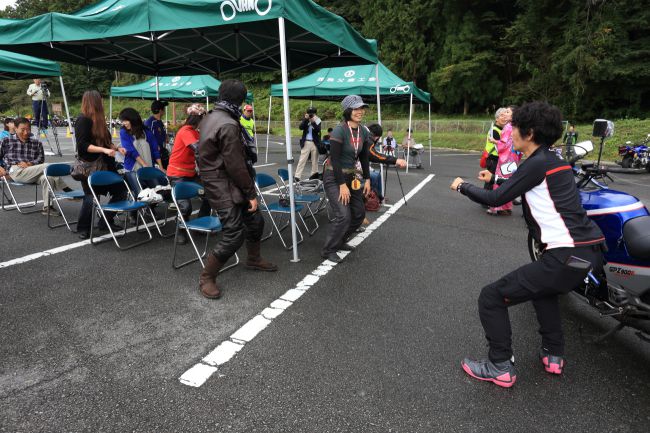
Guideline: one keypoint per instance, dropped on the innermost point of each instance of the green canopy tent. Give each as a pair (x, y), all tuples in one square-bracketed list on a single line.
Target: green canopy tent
[(367, 80), (174, 37), (15, 66), (173, 88)]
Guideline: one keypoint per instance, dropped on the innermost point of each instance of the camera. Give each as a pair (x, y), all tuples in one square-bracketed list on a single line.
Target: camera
[(311, 115)]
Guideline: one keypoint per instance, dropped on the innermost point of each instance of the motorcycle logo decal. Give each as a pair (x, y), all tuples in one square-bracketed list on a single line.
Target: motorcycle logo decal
[(349, 74), (230, 8), (405, 88), (176, 79), (198, 92)]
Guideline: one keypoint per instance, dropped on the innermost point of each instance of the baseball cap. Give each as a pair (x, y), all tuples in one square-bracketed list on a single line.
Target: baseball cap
[(248, 107), (353, 102), (312, 110), (158, 105)]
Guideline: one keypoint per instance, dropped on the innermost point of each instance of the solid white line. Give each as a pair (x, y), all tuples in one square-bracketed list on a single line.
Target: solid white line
[(224, 352), (264, 165), (68, 247)]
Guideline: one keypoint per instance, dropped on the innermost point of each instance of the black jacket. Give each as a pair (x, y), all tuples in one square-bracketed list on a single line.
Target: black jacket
[(304, 127), (222, 161), (551, 202)]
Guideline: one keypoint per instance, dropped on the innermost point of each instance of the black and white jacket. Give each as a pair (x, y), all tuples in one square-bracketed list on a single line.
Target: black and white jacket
[(551, 201)]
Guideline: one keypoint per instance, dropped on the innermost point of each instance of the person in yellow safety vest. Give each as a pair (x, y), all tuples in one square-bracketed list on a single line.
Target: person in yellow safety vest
[(246, 120), (493, 136)]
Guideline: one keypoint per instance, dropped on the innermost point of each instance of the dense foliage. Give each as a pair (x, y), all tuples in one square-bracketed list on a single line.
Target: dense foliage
[(590, 57)]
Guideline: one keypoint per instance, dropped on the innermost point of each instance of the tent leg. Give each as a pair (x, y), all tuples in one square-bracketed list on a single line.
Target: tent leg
[(410, 134), (157, 87), (381, 166), (430, 135), (287, 133), (268, 132), (67, 113), (254, 128)]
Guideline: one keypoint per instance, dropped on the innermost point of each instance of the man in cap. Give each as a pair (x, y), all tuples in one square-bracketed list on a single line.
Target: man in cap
[(247, 121), (157, 126), (309, 143), (226, 165)]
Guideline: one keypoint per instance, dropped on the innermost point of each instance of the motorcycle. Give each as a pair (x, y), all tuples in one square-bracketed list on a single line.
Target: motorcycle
[(623, 292), (635, 156)]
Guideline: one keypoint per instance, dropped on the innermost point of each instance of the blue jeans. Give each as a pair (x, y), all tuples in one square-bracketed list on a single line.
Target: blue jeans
[(40, 115)]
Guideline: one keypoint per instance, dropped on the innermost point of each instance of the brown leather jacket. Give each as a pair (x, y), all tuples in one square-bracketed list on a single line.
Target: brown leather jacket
[(222, 161)]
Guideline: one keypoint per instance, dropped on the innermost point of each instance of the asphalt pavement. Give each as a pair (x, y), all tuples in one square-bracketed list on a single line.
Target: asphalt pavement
[(96, 340)]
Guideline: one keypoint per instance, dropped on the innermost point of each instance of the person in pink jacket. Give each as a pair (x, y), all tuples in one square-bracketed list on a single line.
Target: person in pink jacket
[(508, 161)]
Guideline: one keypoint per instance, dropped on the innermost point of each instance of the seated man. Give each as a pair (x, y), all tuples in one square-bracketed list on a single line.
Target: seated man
[(389, 144), (23, 159), (408, 144)]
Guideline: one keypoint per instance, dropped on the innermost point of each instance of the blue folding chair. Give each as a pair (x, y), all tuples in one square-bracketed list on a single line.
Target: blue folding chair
[(148, 174), (108, 178), (59, 170), (263, 180), (206, 224), (307, 199), (7, 183)]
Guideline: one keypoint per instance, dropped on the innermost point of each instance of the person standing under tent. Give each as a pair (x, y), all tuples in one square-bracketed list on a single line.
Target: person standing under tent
[(345, 187), (94, 142), (247, 121), (226, 161), (156, 125), (39, 94), (309, 143)]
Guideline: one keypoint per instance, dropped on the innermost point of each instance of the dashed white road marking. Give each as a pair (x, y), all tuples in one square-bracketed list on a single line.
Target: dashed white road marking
[(224, 352)]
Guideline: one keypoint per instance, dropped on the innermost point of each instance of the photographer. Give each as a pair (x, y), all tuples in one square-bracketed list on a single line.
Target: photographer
[(309, 143), (556, 219), (39, 92), (375, 177)]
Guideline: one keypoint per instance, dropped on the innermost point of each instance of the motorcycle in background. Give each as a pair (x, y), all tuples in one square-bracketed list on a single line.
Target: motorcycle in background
[(635, 155), (623, 292)]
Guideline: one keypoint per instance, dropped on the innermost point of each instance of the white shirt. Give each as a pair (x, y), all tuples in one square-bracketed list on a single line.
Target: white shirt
[(36, 92)]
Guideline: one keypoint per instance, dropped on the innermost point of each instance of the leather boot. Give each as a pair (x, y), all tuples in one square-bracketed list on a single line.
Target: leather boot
[(208, 278), (255, 260)]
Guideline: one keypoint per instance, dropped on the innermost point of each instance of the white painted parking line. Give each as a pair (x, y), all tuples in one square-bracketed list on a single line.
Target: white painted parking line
[(265, 165), (68, 247), (224, 352)]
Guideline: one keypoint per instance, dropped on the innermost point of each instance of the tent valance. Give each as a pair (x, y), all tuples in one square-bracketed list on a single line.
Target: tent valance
[(178, 87), (18, 66)]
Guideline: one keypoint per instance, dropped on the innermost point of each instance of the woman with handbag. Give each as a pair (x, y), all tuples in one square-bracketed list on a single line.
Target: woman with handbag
[(95, 152), (344, 185)]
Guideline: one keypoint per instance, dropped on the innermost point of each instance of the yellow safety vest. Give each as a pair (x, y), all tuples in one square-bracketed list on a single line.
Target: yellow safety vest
[(248, 124), (490, 148)]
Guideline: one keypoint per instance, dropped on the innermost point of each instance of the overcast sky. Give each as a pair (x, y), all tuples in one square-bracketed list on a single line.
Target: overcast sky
[(5, 3)]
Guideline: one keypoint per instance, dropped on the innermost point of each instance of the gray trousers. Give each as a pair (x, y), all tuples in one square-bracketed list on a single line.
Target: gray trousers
[(35, 174), (347, 218)]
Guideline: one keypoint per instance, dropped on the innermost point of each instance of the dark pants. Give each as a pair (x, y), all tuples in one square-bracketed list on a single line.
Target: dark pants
[(39, 108), (237, 225), (186, 205), (117, 193), (347, 218), (491, 165), (540, 282)]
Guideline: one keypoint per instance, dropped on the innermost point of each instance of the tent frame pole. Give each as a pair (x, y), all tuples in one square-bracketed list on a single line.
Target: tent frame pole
[(254, 128), (430, 162), (268, 132), (67, 113), (157, 88), (287, 133), (408, 142), (381, 166)]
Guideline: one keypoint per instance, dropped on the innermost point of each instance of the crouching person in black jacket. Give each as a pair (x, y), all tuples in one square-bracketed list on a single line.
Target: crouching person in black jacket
[(226, 164), (556, 219)]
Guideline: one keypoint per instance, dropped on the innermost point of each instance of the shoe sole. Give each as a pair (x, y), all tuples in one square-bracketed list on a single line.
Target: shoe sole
[(494, 381)]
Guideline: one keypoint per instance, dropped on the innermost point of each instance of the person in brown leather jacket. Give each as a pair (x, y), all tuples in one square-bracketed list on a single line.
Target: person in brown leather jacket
[(226, 161)]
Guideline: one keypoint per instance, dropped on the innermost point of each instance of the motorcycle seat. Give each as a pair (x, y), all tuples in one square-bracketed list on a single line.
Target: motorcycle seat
[(636, 233)]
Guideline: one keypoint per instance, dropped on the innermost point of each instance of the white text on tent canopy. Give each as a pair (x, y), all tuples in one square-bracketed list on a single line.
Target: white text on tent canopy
[(230, 8)]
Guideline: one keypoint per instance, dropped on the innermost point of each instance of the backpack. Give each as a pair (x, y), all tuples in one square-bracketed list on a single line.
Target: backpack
[(372, 202)]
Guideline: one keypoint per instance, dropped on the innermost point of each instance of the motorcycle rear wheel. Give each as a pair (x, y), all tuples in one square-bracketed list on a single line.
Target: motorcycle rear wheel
[(535, 248), (627, 161)]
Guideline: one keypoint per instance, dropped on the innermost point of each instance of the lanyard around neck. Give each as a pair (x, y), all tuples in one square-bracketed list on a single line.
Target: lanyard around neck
[(355, 142)]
